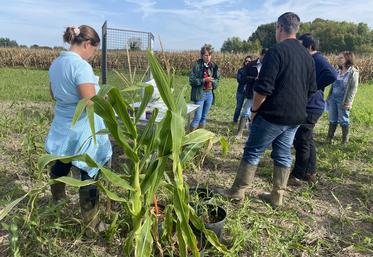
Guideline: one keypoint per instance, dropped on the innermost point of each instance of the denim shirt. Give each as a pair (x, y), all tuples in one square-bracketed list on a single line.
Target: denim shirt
[(339, 86)]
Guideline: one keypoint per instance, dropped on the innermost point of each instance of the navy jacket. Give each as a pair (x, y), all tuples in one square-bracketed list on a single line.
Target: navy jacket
[(325, 75)]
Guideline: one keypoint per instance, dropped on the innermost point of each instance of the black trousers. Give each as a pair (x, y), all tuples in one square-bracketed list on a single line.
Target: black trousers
[(305, 149), (60, 169), (88, 194)]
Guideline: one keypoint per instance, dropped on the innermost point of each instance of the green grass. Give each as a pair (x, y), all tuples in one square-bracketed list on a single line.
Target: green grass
[(24, 85), (334, 218)]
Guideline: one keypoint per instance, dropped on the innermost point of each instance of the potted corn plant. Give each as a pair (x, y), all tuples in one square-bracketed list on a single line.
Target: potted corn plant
[(156, 155)]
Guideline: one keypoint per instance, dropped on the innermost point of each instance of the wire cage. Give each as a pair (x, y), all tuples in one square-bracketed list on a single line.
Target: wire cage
[(125, 51)]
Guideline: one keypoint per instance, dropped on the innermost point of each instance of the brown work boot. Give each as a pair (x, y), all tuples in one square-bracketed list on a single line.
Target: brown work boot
[(192, 129), (201, 126), (57, 189), (296, 182), (280, 180), (244, 178), (311, 179)]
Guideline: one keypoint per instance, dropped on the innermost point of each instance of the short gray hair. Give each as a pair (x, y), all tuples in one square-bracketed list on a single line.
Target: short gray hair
[(290, 22)]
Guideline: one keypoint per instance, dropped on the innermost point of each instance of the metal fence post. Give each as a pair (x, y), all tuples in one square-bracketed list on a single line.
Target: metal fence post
[(104, 54), (150, 47)]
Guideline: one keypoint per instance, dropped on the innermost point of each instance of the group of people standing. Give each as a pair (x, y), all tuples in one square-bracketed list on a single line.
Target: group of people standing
[(281, 96)]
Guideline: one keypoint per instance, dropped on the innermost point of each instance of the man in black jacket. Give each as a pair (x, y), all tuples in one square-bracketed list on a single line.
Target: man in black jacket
[(305, 155), (286, 82), (251, 73)]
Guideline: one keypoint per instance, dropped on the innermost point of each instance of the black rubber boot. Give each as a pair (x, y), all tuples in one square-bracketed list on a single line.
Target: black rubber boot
[(89, 205), (345, 134), (57, 189), (331, 131)]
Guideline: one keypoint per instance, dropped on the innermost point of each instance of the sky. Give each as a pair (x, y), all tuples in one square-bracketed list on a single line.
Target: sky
[(179, 24)]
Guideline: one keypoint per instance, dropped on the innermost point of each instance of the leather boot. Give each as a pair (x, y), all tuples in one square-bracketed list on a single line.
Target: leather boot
[(280, 180), (57, 189), (241, 127), (201, 126), (331, 131), (244, 178), (192, 129), (296, 182), (89, 205), (345, 134)]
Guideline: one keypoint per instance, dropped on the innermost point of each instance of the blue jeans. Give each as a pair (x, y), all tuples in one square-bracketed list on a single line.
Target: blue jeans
[(246, 108), (262, 134), (203, 109), (338, 115), (240, 98)]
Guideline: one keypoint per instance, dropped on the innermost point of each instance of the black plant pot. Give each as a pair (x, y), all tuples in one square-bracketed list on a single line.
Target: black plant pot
[(213, 216), (217, 217), (201, 242)]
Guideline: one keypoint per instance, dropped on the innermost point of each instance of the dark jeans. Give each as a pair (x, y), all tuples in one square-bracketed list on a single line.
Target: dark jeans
[(240, 98), (305, 149)]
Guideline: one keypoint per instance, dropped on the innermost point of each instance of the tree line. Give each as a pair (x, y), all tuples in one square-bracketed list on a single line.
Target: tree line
[(6, 42), (334, 37)]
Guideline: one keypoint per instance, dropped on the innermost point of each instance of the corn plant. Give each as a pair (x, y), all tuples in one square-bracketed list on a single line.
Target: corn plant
[(156, 157)]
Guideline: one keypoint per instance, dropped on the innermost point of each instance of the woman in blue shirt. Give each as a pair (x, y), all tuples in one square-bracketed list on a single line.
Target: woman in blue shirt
[(72, 79)]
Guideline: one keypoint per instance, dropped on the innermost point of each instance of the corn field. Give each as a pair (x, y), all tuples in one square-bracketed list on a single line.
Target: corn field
[(181, 61)]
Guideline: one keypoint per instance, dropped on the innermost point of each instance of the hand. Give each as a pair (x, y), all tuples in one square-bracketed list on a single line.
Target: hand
[(346, 106), (208, 79)]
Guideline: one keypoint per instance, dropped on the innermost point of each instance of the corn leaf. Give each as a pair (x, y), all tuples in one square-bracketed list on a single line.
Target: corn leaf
[(162, 81), (47, 158), (79, 110), (121, 108), (148, 92), (190, 151), (182, 244), (105, 110), (75, 182), (4, 212), (148, 135), (182, 212), (181, 103), (197, 136), (177, 131), (210, 235), (115, 179), (144, 240), (224, 145), (91, 120), (111, 195), (104, 89)]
